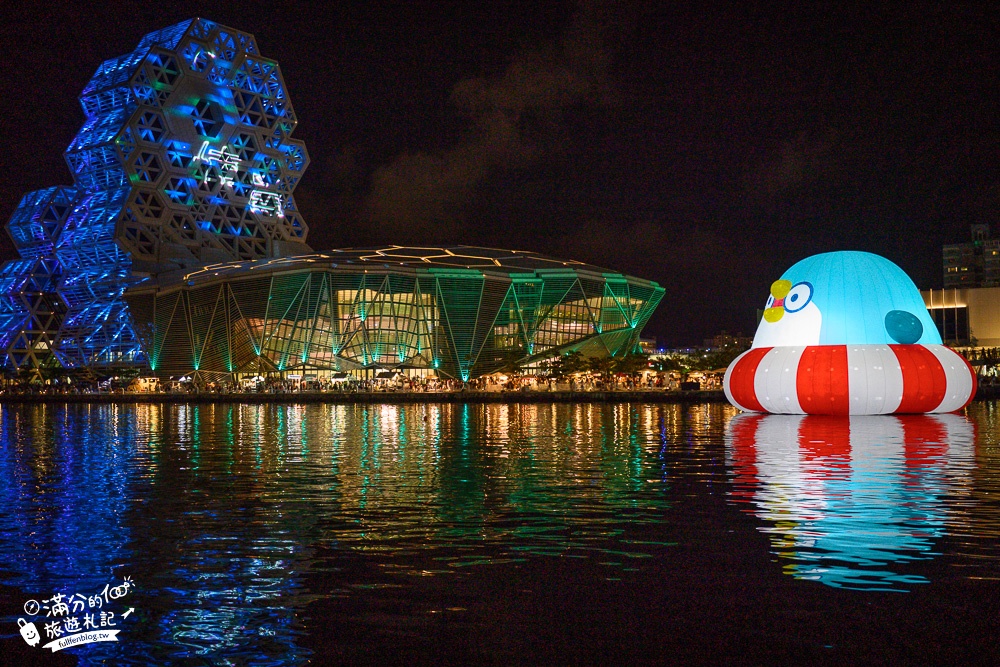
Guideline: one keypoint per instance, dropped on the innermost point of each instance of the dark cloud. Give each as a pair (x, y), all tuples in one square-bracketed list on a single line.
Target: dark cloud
[(801, 159), (511, 121)]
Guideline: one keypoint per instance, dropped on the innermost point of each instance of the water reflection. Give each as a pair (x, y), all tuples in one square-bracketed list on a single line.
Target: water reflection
[(222, 513), (65, 489), (236, 522), (852, 502)]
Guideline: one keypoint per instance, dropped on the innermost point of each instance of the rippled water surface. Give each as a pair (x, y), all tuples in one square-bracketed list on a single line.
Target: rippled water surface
[(270, 534)]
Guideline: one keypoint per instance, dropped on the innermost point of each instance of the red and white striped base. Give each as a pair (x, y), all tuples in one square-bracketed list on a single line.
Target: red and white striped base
[(850, 380)]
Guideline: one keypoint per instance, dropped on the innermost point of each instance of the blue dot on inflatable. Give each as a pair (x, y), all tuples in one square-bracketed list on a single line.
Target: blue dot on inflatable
[(903, 327)]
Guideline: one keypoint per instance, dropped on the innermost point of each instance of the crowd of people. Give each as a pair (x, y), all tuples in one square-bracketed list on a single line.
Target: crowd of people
[(486, 383), (582, 382)]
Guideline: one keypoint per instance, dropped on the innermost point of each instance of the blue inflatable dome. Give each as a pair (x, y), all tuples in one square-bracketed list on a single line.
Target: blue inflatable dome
[(845, 298)]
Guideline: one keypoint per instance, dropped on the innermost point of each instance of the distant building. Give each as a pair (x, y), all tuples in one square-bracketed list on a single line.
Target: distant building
[(648, 345), (975, 263), (968, 316), (967, 310), (725, 340)]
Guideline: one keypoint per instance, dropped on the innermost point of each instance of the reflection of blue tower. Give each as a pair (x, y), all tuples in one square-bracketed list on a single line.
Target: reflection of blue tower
[(89, 495), (227, 572), (66, 487), (846, 498)]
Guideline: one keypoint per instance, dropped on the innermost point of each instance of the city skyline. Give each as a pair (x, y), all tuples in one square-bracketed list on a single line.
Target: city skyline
[(706, 149)]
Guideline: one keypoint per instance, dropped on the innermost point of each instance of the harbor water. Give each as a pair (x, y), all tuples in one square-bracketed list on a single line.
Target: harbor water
[(230, 534)]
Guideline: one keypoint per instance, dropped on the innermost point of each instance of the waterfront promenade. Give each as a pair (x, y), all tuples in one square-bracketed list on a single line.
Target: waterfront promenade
[(440, 396)]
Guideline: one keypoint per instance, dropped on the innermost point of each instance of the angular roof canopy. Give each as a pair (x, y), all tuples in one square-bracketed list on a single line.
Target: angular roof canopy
[(406, 259)]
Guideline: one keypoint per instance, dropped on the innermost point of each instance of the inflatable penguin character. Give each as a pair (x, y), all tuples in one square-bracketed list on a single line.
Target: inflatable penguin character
[(847, 333)]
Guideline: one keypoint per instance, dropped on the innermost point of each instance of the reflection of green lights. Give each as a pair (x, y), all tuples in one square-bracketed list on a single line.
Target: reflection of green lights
[(282, 432), (196, 437), (458, 473), (230, 440), (305, 438)]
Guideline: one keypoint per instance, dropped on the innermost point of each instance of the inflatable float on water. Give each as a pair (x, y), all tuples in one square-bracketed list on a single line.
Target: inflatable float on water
[(847, 333)]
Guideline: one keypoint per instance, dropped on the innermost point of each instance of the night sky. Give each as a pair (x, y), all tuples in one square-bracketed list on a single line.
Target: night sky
[(704, 146)]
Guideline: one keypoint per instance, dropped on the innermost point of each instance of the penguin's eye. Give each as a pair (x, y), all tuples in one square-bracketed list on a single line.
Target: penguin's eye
[(770, 301), (798, 297)]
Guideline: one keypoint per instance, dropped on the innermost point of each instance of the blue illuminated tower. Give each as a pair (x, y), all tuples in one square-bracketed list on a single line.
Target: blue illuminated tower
[(184, 159)]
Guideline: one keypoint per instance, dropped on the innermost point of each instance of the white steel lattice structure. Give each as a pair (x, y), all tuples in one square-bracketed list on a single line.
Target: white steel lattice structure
[(185, 158)]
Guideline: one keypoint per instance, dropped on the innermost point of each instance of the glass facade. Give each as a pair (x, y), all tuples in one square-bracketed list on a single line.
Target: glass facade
[(462, 312), (953, 324)]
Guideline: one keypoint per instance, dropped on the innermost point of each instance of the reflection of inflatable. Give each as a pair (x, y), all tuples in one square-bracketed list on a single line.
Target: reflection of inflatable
[(847, 333), (848, 497)]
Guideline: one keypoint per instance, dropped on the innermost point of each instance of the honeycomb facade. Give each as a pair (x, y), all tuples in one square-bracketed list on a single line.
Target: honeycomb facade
[(461, 312), (185, 158)]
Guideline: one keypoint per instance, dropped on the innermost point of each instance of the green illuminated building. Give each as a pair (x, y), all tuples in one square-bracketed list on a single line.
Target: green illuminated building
[(461, 312)]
